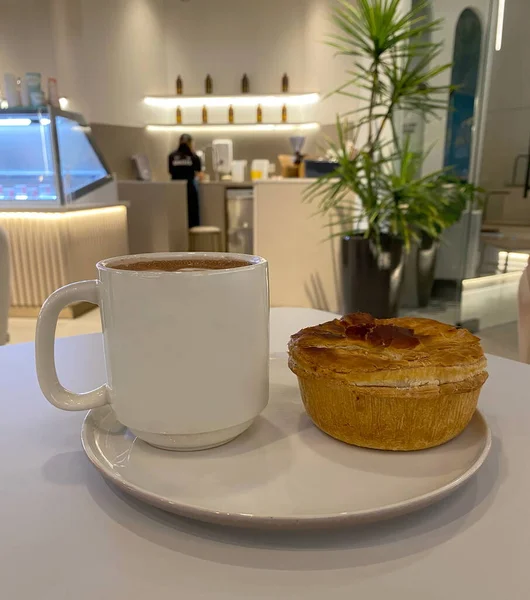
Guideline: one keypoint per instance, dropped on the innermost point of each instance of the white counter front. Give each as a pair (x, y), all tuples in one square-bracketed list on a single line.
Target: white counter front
[(304, 262), (49, 249)]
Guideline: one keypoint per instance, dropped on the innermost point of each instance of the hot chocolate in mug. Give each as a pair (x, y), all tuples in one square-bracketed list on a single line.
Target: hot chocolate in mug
[(186, 341)]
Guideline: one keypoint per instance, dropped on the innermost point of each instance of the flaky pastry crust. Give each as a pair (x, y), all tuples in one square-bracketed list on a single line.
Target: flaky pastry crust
[(400, 353), (390, 384)]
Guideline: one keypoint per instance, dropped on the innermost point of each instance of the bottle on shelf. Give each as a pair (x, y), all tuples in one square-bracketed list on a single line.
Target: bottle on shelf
[(208, 85), (285, 83), (179, 115), (284, 113), (179, 85), (19, 94), (259, 114), (231, 114), (53, 93), (204, 115), (245, 84)]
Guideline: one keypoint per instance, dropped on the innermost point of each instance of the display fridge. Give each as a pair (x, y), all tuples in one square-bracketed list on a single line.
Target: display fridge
[(48, 158), (58, 204)]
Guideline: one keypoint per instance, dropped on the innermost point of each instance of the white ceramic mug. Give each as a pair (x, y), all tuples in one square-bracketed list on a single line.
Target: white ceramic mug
[(186, 352)]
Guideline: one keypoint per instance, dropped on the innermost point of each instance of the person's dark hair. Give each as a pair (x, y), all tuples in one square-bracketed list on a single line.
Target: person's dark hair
[(185, 145)]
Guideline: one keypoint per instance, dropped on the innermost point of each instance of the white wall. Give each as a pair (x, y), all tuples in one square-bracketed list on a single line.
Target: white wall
[(232, 37), (324, 71), (264, 40), (229, 38), (67, 34), (123, 58), (508, 120), (25, 41), (449, 11), (107, 55)]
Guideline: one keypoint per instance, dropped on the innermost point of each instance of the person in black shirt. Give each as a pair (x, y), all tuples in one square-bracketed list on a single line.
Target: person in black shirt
[(185, 165)]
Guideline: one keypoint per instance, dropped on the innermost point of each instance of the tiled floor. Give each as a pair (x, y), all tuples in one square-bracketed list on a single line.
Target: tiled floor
[(500, 340)]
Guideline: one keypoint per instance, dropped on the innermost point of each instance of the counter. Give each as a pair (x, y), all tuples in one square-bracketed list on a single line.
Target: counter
[(51, 247), (213, 204), (304, 263), (157, 218)]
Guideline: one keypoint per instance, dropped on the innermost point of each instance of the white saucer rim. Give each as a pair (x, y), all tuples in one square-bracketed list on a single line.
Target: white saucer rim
[(366, 515), (297, 521)]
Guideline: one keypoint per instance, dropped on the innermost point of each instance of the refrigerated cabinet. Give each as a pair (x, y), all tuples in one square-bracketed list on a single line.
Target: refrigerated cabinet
[(58, 203), (48, 159), (240, 216)]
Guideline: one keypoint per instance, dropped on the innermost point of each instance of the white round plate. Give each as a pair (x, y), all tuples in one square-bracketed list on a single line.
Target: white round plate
[(283, 472)]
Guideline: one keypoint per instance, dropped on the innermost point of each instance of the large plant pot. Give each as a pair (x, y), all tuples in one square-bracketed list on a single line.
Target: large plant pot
[(459, 253), (372, 277), (425, 265)]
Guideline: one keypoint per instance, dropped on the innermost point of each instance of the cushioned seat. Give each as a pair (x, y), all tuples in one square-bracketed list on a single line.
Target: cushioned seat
[(205, 238)]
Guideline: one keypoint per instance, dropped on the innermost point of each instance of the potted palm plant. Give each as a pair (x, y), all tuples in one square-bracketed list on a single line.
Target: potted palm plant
[(377, 196), (453, 197)]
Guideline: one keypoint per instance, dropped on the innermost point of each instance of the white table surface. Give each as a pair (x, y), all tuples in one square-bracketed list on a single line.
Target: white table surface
[(67, 534)]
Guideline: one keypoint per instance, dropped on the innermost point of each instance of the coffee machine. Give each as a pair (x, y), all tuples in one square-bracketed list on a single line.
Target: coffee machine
[(222, 157)]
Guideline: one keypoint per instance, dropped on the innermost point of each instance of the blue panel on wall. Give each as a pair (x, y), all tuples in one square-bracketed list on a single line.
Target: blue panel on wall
[(464, 76)]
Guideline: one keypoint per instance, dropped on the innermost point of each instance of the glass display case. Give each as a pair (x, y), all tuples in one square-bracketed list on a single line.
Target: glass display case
[(48, 158)]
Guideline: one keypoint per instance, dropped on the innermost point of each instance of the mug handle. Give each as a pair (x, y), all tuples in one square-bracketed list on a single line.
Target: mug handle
[(49, 383)]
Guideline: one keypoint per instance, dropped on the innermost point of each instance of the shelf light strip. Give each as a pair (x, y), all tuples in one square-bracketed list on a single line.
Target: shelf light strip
[(235, 101), (18, 122), (236, 128), (57, 216), (500, 25), (14, 122)]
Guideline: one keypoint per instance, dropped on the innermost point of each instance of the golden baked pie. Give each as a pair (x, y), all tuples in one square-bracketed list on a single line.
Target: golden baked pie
[(391, 384)]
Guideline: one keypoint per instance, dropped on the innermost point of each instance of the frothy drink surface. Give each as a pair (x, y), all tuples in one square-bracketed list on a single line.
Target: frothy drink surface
[(183, 264)]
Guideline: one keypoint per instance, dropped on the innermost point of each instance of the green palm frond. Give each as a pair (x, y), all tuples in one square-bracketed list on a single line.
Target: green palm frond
[(395, 68)]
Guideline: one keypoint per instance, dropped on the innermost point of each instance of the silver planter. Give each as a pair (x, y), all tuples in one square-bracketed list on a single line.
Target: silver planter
[(420, 266)]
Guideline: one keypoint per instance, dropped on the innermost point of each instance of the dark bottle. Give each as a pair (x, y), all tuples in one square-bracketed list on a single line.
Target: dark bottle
[(245, 85), (204, 114), (231, 114), (284, 113), (179, 85), (179, 116), (285, 83), (208, 85), (259, 115)]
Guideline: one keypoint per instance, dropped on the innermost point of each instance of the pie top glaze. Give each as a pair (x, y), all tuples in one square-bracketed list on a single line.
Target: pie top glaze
[(402, 352)]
